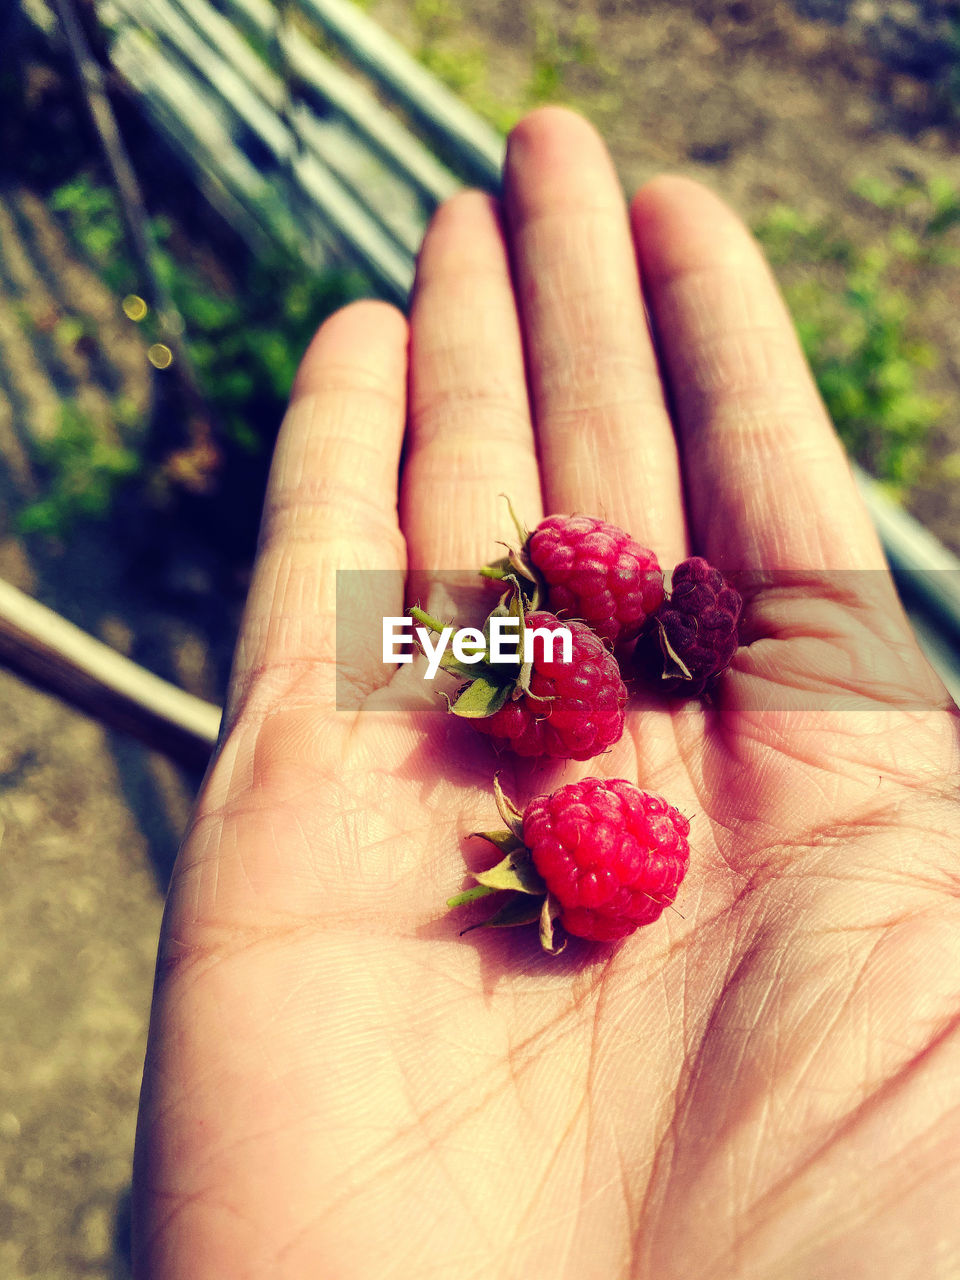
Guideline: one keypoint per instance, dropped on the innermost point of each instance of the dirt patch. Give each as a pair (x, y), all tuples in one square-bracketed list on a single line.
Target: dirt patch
[(764, 105)]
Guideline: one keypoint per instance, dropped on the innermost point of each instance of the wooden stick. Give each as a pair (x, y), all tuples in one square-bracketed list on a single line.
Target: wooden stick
[(38, 643)]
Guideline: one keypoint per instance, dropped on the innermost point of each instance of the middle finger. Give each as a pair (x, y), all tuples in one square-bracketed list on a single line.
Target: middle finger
[(606, 443)]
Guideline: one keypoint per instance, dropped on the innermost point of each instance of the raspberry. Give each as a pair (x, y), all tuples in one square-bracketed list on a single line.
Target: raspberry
[(597, 859), (545, 707), (572, 710), (597, 572), (612, 855), (693, 635)]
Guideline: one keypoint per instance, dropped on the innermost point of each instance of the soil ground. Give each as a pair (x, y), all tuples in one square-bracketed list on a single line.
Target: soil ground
[(89, 820), (758, 102), (761, 104)]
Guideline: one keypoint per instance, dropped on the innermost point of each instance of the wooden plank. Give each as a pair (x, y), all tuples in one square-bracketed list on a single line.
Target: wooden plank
[(344, 94), (479, 147), (210, 78), (38, 643), (919, 561), (203, 136)]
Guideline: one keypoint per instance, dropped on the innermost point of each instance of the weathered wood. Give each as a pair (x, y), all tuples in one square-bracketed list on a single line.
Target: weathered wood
[(923, 566), (38, 643), (479, 147), (311, 183), (203, 139), (339, 91)]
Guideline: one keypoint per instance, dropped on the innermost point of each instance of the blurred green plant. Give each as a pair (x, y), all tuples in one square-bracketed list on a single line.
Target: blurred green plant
[(926, 211), (245, 340), (556, 50), (855, 318), (464, 64), (245, 333), (83, 473)]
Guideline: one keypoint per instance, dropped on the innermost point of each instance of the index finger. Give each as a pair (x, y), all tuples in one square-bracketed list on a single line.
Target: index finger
[(331, 505)]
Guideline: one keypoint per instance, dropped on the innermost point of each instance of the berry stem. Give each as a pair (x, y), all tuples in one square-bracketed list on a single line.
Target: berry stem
[(425, 620), (522, 533)]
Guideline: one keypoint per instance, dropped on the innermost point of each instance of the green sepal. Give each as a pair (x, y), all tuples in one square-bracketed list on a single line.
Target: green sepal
[(514, 563), (516, 875), (512, 605), (523, 533), (517, 562), (482, 697), (497, 569), (489, 686), (526, 668), (425, 620), (460, 669), (449, 662), (505, 607), (505, 841), (466, 670), (516, 872), (553, 939), (508, 810), (519, 910)]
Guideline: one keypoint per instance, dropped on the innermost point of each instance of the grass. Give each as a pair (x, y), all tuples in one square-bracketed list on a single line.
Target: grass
[(556, 50), (83, 474), (244, 340), (854, 312)]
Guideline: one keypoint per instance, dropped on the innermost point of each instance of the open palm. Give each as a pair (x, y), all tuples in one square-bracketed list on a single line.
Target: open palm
[(763, 1083)]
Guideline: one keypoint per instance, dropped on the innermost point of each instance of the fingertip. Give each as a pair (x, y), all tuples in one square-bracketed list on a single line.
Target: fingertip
[(368, 333), (556, 162), (465, 208), (682, 226), (465, 231), (544, 125)]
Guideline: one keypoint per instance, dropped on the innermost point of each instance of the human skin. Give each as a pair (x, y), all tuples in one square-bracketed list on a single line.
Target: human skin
[(764, 1082)]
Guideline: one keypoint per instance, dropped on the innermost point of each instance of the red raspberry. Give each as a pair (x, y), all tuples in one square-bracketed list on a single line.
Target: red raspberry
[(597, 572), (610, 854), (597, 858), (693, 635), (576, 708)]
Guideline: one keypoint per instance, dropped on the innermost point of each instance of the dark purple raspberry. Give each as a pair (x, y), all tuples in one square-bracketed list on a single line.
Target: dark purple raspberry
[(693, 635)]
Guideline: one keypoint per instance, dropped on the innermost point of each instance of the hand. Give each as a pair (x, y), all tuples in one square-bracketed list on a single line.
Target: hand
[(337, 1084)]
